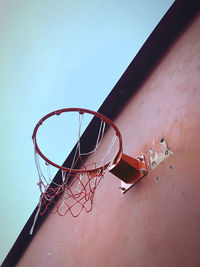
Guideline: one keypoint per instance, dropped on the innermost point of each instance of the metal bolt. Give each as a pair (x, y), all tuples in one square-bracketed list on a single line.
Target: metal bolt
[(166, 152), (140, 158), (153, 163), (162, 140), (143, 171), (122, 188)]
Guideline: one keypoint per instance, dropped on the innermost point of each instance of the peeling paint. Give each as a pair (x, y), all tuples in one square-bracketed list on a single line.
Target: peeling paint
[(150, 151), (51, 252), (160, 155)]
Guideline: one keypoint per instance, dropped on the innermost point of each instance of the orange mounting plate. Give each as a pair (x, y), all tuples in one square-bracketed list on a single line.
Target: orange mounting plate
[(142, 171)]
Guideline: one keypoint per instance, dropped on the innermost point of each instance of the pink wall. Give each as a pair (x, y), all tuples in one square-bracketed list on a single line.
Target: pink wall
[(157, 222)]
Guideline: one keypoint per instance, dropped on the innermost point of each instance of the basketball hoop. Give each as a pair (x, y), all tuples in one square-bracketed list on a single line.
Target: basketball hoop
[(76, 188), (73, 187), (81, 111)]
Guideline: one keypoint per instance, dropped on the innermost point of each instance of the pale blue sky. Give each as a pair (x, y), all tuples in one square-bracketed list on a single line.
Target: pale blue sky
[(57, 54)]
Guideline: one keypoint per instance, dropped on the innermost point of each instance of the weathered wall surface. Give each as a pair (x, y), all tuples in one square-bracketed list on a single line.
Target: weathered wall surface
[(156, 223)]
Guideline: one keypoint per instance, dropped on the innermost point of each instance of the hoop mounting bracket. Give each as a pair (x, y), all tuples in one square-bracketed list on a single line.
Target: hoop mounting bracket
[(130, 170)]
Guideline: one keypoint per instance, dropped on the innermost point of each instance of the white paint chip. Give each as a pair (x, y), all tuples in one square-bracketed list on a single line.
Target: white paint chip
[(159, 156)]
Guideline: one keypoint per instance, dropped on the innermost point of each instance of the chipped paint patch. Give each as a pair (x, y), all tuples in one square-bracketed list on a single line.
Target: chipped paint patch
[(160, 155), (150, 151), (51, 252)]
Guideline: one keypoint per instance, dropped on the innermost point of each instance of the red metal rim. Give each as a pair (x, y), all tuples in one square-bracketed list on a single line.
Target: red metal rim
[(81, 111)]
